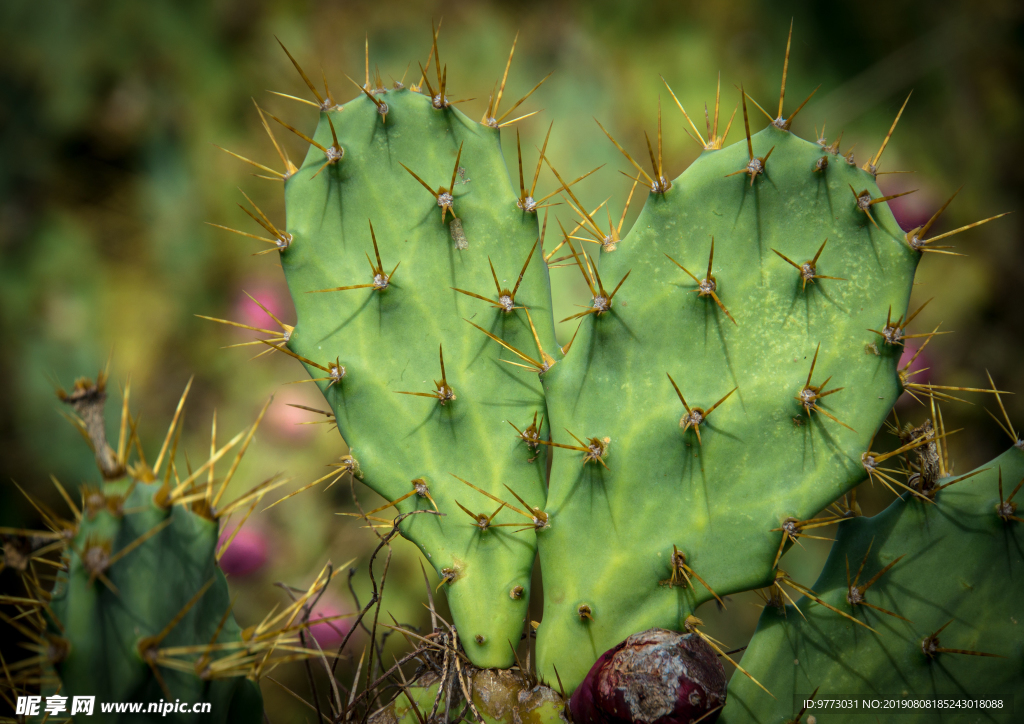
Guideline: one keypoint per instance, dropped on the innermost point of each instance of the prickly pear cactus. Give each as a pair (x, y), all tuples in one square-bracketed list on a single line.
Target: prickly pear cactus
[(142, 577), (949, 628), (735, 360), (139, 610), (716, 487), (420, 393), (140, 586)]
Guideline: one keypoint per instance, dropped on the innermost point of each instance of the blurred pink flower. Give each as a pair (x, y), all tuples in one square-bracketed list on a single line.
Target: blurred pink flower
[(329, 634), (923, 362), (274, 298), (247, 552), (912, 210), (286, 421)]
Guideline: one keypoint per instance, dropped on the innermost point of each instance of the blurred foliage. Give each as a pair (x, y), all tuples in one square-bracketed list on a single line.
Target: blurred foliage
[(108, 113)]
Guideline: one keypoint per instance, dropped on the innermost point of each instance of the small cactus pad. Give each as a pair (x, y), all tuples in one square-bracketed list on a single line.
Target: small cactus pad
[(957, 588), (386, 335), (696, 504), (139, 610), (500, 696), (143, 578)]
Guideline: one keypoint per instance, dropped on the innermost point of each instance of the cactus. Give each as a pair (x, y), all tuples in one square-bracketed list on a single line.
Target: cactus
[(767, 371), (139, 611), (100, 608), (735, 360), (943, 614), (423, 194), (737, 356)]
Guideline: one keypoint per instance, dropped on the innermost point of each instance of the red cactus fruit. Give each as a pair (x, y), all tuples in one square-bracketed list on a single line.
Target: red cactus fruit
[(655, 677)]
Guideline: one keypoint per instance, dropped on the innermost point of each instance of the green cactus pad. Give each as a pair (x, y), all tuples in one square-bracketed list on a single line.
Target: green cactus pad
[(961, 565), (500, 697), (388, 340), (760, 459), (102, 623)]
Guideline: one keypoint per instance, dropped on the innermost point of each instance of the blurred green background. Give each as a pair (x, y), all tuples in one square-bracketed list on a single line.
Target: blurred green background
[(108, 116)]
